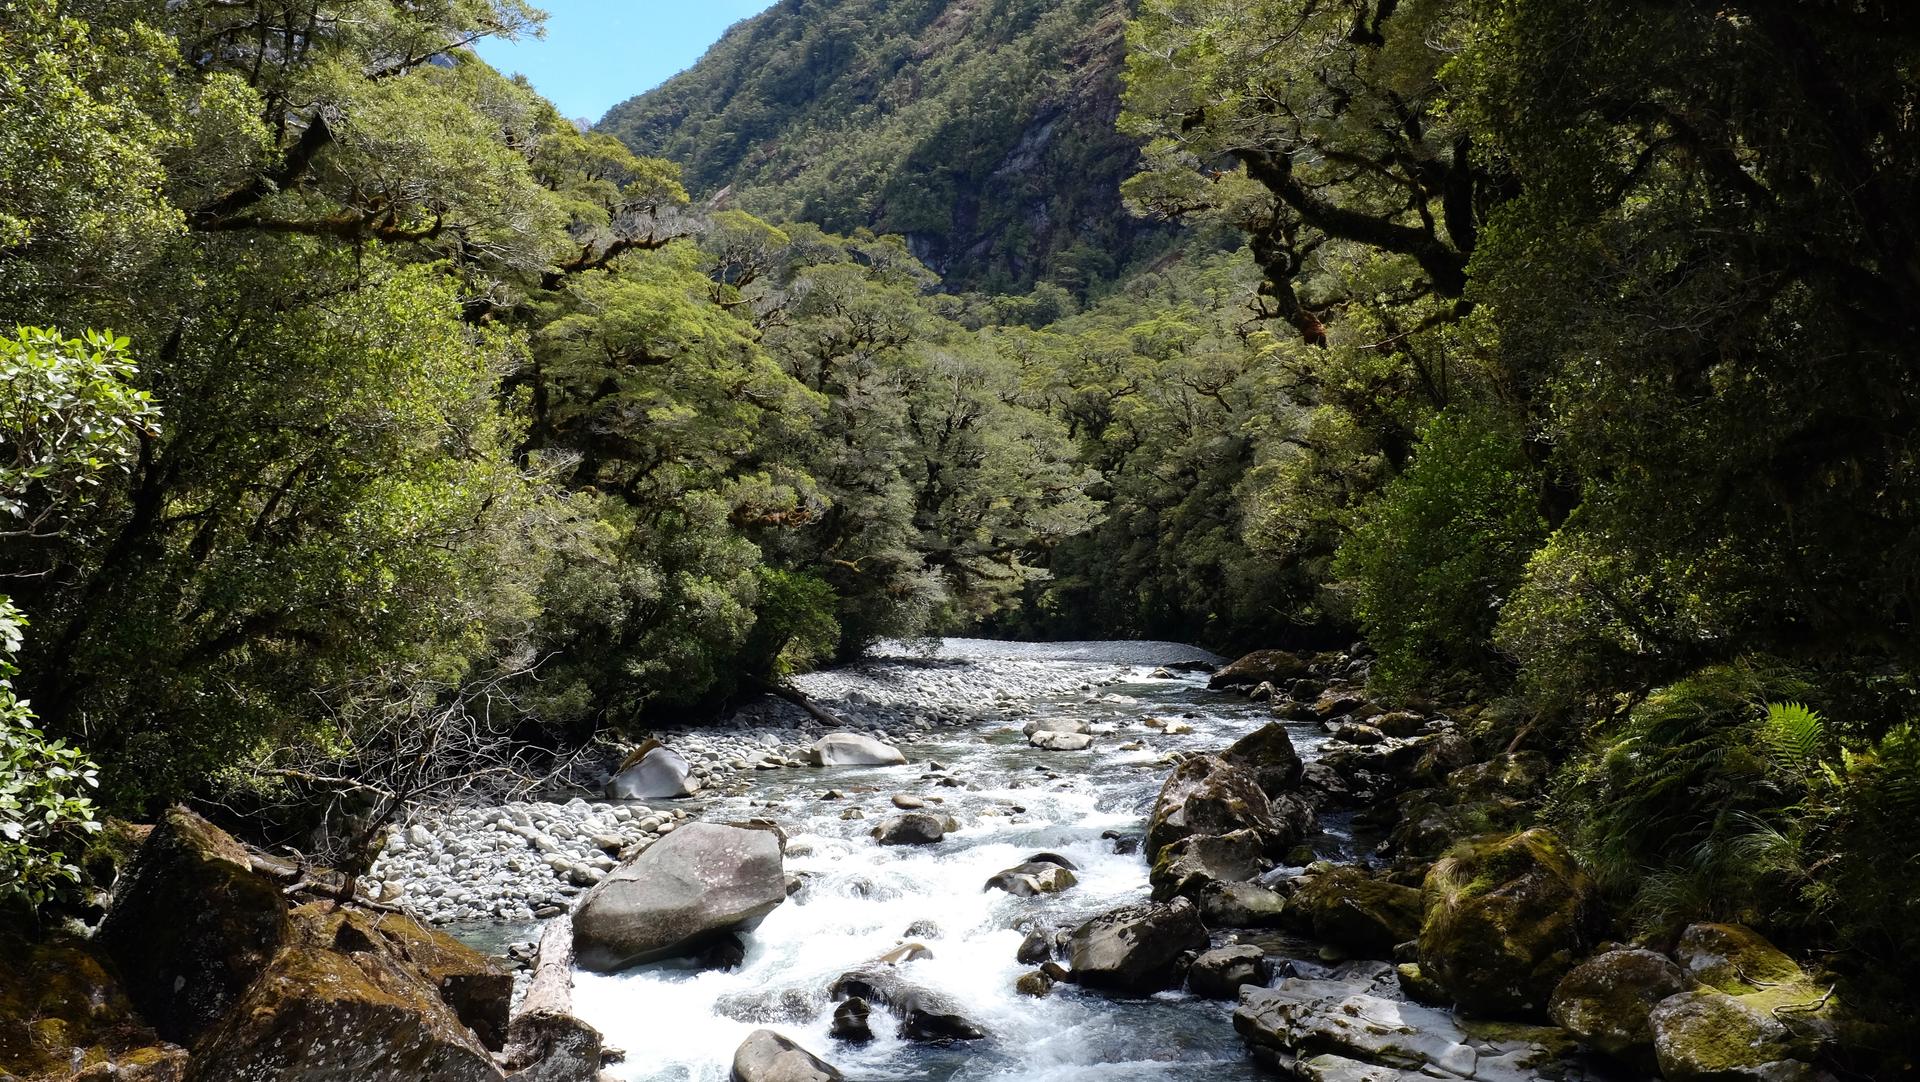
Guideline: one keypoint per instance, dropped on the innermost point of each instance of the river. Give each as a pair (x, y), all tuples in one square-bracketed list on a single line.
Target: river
[(675, 1022)]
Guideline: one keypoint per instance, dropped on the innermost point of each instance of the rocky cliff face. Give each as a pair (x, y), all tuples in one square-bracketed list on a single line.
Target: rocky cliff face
[(982, 130)]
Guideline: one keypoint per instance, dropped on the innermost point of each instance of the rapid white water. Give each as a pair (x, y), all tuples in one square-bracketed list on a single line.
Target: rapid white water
[(678, 1023)]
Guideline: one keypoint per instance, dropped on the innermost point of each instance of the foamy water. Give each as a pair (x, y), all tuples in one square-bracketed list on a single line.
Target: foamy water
[(676, 1023)]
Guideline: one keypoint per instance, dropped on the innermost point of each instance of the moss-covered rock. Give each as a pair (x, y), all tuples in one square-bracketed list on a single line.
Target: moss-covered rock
[(1259, 667), (1350, 909), (325, 1015), (1710, 1036), (191, 925), (62, 1011), (478, 989), (1736, 959), (1506, 917), (1606, 1001)]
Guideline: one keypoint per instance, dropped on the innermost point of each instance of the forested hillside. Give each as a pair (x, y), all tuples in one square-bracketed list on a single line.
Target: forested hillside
[(982, 131)]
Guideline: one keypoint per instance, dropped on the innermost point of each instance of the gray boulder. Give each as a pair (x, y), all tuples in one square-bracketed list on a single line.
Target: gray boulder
[(924, 1015), (1051, 740), (657, 773), (1208, 795), (1268, 754), (1195, 863), (766, 1056), (1606, 1001), (1259, 667), (1136, 949), (1222, 972), (683, 892), (1031, 878), (1054, 725), (852, 749)]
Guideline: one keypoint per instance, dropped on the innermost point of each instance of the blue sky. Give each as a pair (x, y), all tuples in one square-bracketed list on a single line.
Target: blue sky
[(598, 53)]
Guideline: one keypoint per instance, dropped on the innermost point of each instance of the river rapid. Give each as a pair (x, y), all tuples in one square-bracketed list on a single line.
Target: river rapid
[(676, 1022)]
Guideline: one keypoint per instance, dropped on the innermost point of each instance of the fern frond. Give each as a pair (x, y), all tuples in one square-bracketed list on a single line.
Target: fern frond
[(1794, 737)]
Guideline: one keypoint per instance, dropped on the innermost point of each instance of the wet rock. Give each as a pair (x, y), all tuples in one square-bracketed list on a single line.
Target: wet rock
[(850, 1021), (905, 952), (1241, 905), (925, 1015), (1710, 1036), (191, 926), (1268, 754), (766, 1056), (1365, 916), (908, 802), (1505, 920), (922, 929), (1259, 667), (1198, 862), (913, 828), (1208, 795), (653, 772), (1048, 740), (1036, 948), (853, 749), (683, 892), (1346, 1030), (1136, 949), (1031, 878), (1419, 987), (1400, 723), (1036, 984), (1051, 858), (1222, 972), (1606, 1001)]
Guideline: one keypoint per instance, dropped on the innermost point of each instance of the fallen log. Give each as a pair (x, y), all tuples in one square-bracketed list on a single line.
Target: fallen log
[(794, 696), (545, 1042)]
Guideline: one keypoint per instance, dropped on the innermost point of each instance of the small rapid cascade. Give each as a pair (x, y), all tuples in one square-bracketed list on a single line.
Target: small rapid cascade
[(859, 899)]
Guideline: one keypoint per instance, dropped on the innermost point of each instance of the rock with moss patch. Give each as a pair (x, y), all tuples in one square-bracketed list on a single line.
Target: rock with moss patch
[(1506, 918), (1268, 754), (191, 926), (62, 1009), (1606, 1001), (1221, 973), (478, 989), (1136, 949), (1258, 667), (1356, 912), (1208, 795), (1198, 862), (1710, 1036), (1241, 905)]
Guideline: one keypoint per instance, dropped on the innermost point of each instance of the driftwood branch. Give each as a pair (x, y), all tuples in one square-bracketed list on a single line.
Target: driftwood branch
[(794, 696), (545, 1042)]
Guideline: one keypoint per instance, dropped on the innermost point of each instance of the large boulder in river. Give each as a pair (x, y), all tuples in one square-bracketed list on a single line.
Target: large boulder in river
[(1054, 740), (1506, 917), (678, 895), (852, 749), (1606, 1001), (1259, 667), (766, 1056), (1208, 795), (1267, 753), (1033, 877), (1222, 972), (1197, 862), (1241, 905), (332, 1014), (1136, 949), (1356, 912), (191, 926), (653, 773)]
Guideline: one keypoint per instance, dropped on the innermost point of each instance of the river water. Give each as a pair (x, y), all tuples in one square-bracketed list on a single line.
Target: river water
[(675, 1022)]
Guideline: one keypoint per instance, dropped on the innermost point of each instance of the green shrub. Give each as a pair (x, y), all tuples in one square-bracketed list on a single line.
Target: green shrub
[(43, 804), (1437, 554)]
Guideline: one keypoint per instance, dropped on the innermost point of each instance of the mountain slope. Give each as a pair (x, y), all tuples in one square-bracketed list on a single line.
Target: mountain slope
[(982, 130)]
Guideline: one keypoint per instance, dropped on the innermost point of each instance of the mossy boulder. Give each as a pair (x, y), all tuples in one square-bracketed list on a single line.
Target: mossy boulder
[(1194, 863), (1268, 754), (1739, 961), (1606, 1001), (62, 1011), (330, 1014), (1710, 1036), (1241, 905), (191, 925), (478, 989), (1208, 795), (1506, 918), (1352, 910)]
